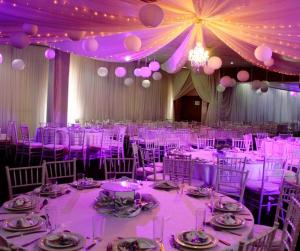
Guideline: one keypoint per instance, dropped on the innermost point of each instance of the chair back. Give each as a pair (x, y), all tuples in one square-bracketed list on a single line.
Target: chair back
[(242, 144), (205, 142), (273, 171), (231, 177), (49, 136), (25, 134), (118, 167), (22, 177), (291, 228), (262, 242), (12, 134), (179, 169), (61, 170), (76, 137)]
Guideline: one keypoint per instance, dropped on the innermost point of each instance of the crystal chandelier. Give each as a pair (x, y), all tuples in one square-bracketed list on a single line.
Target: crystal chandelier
[(198, 56)]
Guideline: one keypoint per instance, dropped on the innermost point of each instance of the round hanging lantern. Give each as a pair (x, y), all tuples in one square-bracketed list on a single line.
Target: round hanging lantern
[(76, 35), (263, 53), (220, 88), (207, 70), (146, 83), (18, 64), (30, 29), (128, 81), (243, 76), (256, 84), (102, 72), (137, 72), (1, 58), (226, 81), (120, 72), (151, 15), (154, 66), (145, 72), (19, 40), (214, 63), (90, 45), (269, 62), (132, 43), (50, 54), (157, 75)]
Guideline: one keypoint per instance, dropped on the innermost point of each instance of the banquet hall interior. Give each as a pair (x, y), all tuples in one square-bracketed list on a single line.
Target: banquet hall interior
[(154, 125)]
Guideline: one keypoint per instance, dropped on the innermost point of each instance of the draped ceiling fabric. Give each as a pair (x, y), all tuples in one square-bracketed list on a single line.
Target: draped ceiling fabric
[(275, 105), (23, 94), (242, 25), (94, 98)]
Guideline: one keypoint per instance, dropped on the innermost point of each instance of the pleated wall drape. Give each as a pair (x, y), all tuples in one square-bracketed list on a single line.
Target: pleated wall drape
[(99, 98), (275, 105), (23, 94), (205, 85)]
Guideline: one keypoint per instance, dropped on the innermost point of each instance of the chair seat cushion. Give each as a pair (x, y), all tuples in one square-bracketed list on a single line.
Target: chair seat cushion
[(34, 145), (52, 146), (260, 229), (77, 148), (269, 187), (159, 176), (149, 170)]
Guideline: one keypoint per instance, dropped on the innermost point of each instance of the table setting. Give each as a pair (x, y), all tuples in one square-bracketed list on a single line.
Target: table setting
[(166, 220)]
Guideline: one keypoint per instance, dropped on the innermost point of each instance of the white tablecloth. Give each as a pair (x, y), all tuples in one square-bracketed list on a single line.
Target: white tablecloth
[(76, 211)]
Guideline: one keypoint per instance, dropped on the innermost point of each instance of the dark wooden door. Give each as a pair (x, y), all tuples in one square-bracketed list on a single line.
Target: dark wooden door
[(188, 108)]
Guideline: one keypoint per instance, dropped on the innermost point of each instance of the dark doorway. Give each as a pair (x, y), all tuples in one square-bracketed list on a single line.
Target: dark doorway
[(188, 108)]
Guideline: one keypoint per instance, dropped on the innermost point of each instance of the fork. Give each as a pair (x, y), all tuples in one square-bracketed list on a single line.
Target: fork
[(109, 247)]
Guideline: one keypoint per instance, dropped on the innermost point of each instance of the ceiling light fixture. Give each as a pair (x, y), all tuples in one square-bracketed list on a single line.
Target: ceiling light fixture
[(198, 57)]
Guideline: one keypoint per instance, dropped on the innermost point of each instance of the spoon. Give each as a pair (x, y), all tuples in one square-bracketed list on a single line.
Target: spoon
[(45, 202)]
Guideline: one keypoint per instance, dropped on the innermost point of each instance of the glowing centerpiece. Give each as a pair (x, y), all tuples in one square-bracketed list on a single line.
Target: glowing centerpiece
[(198, 57)]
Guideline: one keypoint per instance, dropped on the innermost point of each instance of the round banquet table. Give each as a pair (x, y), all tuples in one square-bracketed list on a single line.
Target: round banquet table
[(75, 212)]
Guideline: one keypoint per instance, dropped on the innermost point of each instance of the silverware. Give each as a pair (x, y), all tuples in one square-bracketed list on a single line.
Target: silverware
[(25, 233), (109, 247), (91, 245), (225, 242), (45, 202)]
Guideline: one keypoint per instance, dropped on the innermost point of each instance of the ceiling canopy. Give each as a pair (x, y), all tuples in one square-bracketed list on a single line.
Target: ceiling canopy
[(229, 27)]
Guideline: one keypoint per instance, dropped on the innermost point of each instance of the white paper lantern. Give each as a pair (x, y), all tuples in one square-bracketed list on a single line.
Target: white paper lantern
[(76, 35), (207, 70), (120, 72), (132, 43), (220, 88), (256, 84), (30, 29), (146, 83), (263, 53), (18, 64), (1, 58), (154, 66), (243, 76), (269, 62), (50, 54), (151, 15), (90, 45), (128, 81), (214, 63), (137, 72), (157, 75), (226, 81), (102, 72), (145, 72), (19, 40)]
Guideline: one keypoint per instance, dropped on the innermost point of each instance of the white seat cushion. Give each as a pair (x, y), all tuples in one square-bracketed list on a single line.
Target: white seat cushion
[(51, 146), (149, 170), (77, 148), (34, 145), (159, 176), (260, 229), (269, 187)]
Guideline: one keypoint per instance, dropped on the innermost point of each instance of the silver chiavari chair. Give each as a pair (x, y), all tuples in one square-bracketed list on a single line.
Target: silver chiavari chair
[(119, 167), (61, 170)]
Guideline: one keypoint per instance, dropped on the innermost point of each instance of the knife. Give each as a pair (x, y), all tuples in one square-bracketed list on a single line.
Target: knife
[(25, 233)]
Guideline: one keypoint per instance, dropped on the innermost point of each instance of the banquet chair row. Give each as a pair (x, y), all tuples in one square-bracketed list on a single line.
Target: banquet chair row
[(19, 178)]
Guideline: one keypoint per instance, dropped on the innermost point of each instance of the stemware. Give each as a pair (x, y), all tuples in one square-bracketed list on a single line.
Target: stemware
[(200, 219), (158, 228), (98, 227), (51, 213)]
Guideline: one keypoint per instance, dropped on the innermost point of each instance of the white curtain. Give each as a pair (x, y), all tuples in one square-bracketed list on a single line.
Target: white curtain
[(23, 94), (275, 105), (98, 98)]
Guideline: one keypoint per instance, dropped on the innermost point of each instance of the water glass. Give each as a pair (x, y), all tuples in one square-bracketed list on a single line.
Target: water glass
[(98, 227), (200, 219), (35, 200), (212, 200), (80, 178), (158, 228), (52, 217)]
